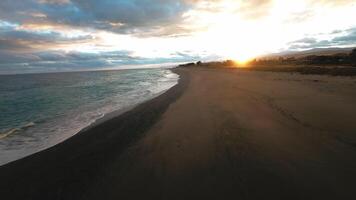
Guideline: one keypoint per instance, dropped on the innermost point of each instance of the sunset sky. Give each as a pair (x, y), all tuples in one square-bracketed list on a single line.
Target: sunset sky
[(62, 35)]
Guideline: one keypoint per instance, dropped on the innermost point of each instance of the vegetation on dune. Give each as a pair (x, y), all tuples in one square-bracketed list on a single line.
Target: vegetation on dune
[(340, 59), (337, 64)]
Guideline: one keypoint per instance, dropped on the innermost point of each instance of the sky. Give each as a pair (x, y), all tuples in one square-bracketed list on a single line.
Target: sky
[(65, 35)]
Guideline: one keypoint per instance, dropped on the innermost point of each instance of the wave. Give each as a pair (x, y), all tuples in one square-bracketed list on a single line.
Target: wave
[(15, 130), (100, 96)]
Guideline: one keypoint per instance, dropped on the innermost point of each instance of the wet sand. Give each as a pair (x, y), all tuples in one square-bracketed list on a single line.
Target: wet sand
[(218, 134)]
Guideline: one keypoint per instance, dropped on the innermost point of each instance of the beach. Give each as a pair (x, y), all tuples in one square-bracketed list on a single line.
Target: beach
[(217, 134)]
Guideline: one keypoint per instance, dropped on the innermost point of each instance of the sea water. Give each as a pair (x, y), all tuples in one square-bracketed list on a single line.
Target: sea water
[(38, 111)]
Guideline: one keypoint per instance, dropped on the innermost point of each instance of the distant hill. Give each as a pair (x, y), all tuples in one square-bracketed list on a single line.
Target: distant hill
[(316, 52)]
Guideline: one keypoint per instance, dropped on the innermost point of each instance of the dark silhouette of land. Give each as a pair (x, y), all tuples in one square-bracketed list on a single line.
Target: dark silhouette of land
[(339, 64)]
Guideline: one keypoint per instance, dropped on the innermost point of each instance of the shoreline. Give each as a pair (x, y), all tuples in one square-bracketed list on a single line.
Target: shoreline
[(87, 150), (217, 134), (61, 136), (116, 113)]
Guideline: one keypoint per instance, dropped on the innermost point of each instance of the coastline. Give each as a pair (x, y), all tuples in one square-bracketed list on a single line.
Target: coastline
[(89, 151), (39, 129), (237, 134), (217, 134), (116, 113)]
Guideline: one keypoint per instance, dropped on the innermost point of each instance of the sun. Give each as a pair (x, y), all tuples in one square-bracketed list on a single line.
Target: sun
[(243, 58), (242, 62)]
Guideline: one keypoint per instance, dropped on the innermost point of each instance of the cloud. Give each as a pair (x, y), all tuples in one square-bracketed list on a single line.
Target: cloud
[(39, 33), (121, 16), (252, 9), (300, 17), (14, 38), (144, 18), (348, 38), (134, 16), (9, 58), (13, 45), (255, 9), (54, 1), (52, 61), (332, 2)]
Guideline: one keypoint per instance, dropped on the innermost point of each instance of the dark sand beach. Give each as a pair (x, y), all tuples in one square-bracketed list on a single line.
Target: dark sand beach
[(218, 134)]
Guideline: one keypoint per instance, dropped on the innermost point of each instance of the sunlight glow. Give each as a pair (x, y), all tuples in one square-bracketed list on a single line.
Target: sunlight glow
[(227, 29), (230, 35)]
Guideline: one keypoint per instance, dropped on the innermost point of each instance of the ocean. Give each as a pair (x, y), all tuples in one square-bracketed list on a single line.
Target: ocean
[(38, 111)]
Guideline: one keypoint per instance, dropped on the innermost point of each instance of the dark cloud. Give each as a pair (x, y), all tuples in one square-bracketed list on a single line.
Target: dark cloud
[(48, 61), (129, 16), (39, 37), (348, 38), (123, 16), (25, 49), (52, 61), (9, 58), (307, 40), (13, 45), (133, 13), (12, 38)]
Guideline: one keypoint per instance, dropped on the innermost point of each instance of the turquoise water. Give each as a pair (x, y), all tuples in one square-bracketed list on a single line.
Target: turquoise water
[(40, 110)]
